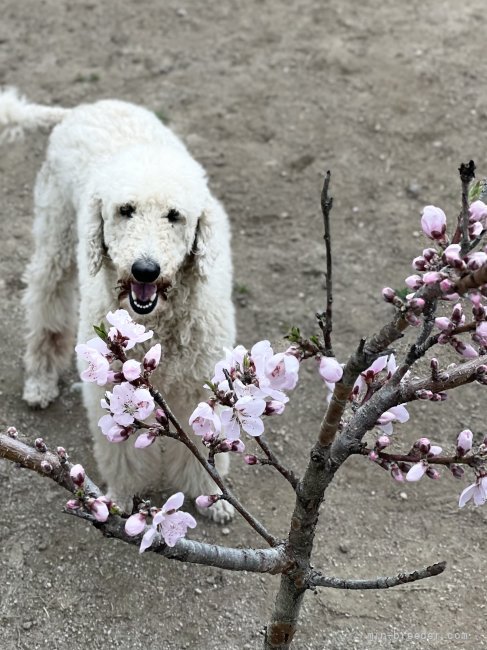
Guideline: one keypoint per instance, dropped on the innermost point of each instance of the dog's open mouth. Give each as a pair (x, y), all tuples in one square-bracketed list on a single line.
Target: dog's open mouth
[(143, 297)]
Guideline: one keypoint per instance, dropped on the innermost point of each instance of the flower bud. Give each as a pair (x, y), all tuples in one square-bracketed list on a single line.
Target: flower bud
[(77, 474), (135, 524), (152, 358), (46, 467), (423, 445), (457, 471), (382, 442), (251, 459), (12, 432), (388, 294), (464, 442), (62, 453), (420, 264), (424, 394), (413, 320), (457, 316), (40, 445), (430, 254), (373, 456), (416, 305), (237, 447), (274, 408), (204, 501), (465, 349), (433, 222), (451, 256), (432, 473), (446, 286), (414, 281), (396, 473), (161, 417), (73, 504), (98, 509), (431, 277)]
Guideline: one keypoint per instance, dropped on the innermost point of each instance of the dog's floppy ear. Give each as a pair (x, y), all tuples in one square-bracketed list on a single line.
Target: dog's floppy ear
[(95, 244), (208, 240)]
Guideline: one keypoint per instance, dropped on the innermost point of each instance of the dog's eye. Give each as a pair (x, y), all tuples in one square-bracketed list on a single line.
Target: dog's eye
[(126, 210), (173, 216)]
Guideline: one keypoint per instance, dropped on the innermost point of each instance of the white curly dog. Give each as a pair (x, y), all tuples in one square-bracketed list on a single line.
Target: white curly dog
[(124, 212)]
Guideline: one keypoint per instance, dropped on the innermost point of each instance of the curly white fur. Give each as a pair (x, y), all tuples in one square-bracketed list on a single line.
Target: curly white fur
[(101, 156)]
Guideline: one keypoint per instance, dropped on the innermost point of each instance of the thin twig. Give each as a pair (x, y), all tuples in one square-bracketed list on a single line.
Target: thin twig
[(325, 319), (274, 461), (384, 582), (467, 174), (471, 461)]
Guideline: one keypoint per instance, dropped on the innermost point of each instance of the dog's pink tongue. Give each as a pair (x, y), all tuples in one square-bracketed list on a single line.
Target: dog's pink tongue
[(144, 292)]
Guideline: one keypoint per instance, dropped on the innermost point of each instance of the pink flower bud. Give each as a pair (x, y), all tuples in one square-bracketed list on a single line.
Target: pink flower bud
[(62, 453), (464, 349), (204, 501), (424, 394), (330, 370), (12, 432), (224, 445), (478, 210), (388, 294), (451, 256), (382, 442), (433, 222), (430, 254), (161, 417), (152, 358), (274, 408), (251, 460), (131, 370), (443, 323), (417, 471), (73, 504), (98, 509), (416, 305), (414, 281), (457, 471), (135, 524), (40, 445), (77, 474), (413, 320), (419, 263), (373, 455), (237, 447), (476, 260), (423, 445), (457, 316), (432, 473), (46, 467), (396, 473), (434, 364), (446, 286), (432, 277), (464, 442), (435, 450)]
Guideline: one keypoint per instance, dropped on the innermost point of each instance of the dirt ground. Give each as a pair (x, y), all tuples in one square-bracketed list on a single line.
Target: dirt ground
[(391, 97)]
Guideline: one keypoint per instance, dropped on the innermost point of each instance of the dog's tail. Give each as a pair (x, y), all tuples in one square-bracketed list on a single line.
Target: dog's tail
[(18, 115)]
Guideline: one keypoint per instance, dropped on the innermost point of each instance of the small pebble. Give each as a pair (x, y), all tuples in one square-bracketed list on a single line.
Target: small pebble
[(225, 531), (403, 495), (198, 591)]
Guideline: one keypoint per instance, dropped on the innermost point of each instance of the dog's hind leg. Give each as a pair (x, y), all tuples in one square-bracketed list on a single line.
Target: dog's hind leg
[(50, 299)]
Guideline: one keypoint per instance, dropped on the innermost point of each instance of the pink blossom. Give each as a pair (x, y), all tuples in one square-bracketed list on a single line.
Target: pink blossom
[(234, 360), (73, 504), (153, 357), (135, 524), (205, 420), (245, 413), (131, 369), (464, 442), (433, 222), (127, 328), (477, 491), (77, 474), (382, 442), (330, 369), (417, 471), (274, 408), (478, 211), (444, 323), (395, 413), (128, 403), (98, 365), (98, 508), (113, 431), (274, 372), (476, 260), (169, 522), (388, 294)]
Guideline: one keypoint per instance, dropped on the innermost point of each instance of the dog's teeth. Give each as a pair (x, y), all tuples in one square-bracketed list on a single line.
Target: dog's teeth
[(153, 297)]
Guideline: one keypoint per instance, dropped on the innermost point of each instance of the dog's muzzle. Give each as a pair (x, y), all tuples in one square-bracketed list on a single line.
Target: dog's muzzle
[(143, 297)]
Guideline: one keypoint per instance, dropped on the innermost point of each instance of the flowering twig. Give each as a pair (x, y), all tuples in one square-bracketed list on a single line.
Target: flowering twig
[(212, 471)]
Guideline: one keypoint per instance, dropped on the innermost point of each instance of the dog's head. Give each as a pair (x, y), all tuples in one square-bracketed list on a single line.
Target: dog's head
[(150, 214)]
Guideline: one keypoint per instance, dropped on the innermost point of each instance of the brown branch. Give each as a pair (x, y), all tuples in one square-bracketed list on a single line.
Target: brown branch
[(384, 582), (274, 461), (471, 461), (269, 560), (325, 319)]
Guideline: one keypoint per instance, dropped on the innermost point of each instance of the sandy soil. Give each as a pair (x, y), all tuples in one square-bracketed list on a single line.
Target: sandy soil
[(391, 97)]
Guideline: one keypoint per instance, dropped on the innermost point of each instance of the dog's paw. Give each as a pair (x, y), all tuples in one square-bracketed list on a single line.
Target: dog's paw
[(40, 391), (221, 512)]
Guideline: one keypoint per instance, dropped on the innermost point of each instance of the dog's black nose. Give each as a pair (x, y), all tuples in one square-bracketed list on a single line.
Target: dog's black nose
[(145, 270)]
